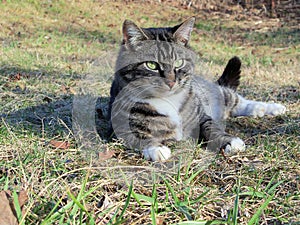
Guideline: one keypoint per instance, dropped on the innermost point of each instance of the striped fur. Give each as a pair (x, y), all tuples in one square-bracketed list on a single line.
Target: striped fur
[(156, 98)]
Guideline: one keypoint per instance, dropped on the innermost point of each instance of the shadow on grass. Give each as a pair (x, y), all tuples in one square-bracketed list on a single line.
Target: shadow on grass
[(49, 115), (10, 73), (54, 119)]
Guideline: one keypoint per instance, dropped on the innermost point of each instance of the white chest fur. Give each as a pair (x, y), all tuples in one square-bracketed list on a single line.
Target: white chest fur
[(170, 106)]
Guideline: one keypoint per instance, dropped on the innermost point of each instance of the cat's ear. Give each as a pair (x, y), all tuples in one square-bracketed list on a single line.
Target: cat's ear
[(132, 34), (183, 31)]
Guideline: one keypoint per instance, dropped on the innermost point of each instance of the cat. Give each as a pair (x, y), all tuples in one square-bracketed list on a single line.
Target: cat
[(156, 98)]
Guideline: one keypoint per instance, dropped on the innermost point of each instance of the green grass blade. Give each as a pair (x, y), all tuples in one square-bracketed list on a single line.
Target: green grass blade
[(214, 222), (80, 217), (178, 170), (114, 218), (126, 203), (180, 205), (271, 181), (187, 170), (273, 188), (172, 191), (61, 220), (256, 216), (76, 201), (253, 193), (235, 210), (154, 206), (236, 205), (140, 197), (58, 214), (196, 200), (17, 206), (51, 213), (153, 214), (167, 196), (192, 177), (6, 183), (197, 223)]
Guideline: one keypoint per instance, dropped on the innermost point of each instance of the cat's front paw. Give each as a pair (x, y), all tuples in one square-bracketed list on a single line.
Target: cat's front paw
[(157, 153), (235, 145)]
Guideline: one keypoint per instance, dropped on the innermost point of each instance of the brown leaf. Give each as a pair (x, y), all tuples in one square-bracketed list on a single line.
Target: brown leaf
[(59, 144), (15, 77), (160, 220), (22, 198), (64, 89), (7, 209), (111, 25), (107, 154)]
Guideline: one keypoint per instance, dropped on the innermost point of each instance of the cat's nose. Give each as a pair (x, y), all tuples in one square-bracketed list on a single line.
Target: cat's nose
[(170, 83)]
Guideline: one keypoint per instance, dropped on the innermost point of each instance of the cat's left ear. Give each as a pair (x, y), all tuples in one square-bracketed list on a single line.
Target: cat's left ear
[(183, 31), (132, 34)]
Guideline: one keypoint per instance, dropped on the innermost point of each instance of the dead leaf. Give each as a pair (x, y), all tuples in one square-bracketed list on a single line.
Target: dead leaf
[(160, 220), (107, 154), (15, 77), (7, 209), (64, 89), (72, 91), (22, 198), (111, 25), (18, 76), (59, 144)]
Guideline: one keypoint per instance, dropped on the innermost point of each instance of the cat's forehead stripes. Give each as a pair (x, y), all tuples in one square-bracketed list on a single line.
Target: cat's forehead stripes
[(161, 34)]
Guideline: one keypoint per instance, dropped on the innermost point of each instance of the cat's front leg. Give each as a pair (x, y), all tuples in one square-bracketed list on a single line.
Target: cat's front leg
[(157, 153), (235, 145), (213, 132), (257, 109)]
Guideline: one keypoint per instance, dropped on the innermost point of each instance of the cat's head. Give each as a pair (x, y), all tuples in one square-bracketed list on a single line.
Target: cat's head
[(157, 57)]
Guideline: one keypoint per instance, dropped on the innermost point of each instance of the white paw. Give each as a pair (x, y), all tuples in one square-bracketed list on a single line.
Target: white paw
[(275, 109), (260, 109), (256, 109), (236, 145), (156, 153)]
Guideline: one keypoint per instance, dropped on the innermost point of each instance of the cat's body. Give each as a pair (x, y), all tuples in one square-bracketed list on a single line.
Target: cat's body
[(157, 99)]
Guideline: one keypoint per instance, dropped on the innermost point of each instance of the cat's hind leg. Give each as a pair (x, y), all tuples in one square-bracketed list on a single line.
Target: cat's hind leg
[(247, 107)]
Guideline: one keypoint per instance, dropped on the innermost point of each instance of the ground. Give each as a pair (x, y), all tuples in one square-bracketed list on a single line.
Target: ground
[(57, 57)]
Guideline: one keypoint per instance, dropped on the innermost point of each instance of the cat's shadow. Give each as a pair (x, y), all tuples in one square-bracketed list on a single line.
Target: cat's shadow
[(54, 119)]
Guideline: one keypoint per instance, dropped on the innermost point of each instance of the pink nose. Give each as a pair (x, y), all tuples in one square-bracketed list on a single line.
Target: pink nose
[(170, 83)]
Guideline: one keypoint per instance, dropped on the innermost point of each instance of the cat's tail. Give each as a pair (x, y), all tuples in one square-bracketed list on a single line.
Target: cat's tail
[(232, 73)]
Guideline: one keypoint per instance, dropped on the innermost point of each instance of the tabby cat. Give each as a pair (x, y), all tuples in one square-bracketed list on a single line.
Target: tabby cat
[(156, 98)]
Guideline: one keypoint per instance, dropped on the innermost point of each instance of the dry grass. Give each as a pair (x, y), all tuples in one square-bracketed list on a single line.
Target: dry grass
[(54, 50)]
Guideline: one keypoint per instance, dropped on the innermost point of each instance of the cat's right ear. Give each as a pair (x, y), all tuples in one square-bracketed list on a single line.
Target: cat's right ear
[(132, 34), (183, 31)]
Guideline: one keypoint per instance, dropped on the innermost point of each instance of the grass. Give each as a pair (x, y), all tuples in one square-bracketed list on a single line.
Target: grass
[(52, 50)]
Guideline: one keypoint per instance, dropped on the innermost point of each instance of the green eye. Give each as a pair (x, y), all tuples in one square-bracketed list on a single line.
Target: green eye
[(178, 63), (152, 65)]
